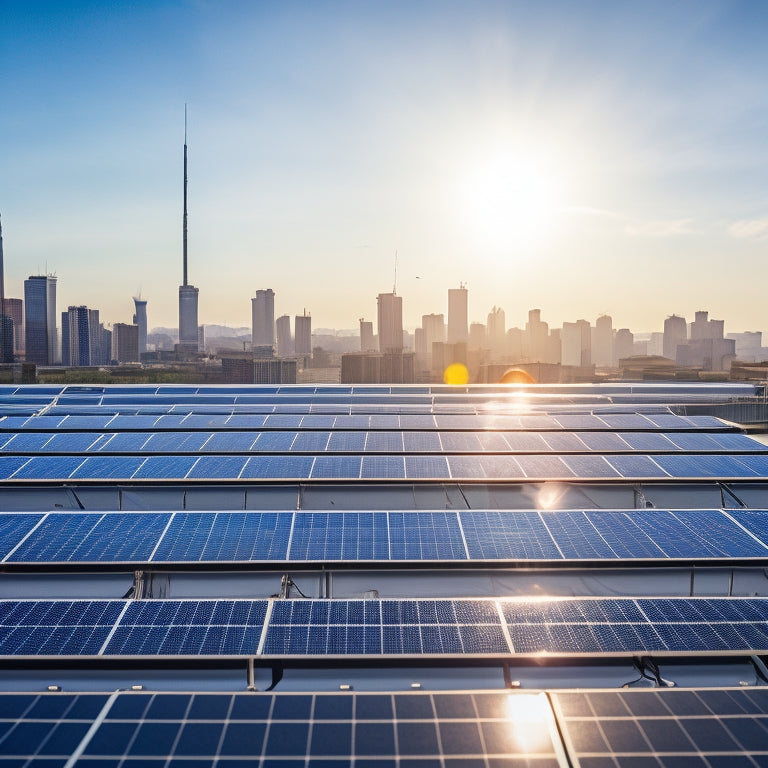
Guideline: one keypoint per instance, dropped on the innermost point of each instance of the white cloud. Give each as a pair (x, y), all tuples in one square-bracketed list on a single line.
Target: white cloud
[(660, 228), (750, 229)]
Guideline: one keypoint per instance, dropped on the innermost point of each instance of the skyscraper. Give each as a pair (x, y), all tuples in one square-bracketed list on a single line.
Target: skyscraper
[(140, 319), (303, 334), (188, 294), (390, 307), (40, 319), (458, 328), (263, 318), (367, 343), (82, 338), (284, 340), (675, 332), (603, 346), (6, 322)]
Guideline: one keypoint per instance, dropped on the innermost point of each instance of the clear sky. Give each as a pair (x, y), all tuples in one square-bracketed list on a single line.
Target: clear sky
[(580, 157)]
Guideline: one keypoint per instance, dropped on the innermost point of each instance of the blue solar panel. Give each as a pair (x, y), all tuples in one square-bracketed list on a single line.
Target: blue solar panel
[(232, 442), (384, 442), (48, 467), (189, 627), (635, 466), (426, 467), (421, 442), (390, 467), (578, 539), (13, 528), (342, 467), (374, 627), (694, 441), (626, 421), (527, 441), (731, 441), (165, 467), (542, 466), (461, 442), (56, 627), (11, 464), (274, 441), (756, 464), (648, 441), (466, 467), (205, 420), (246, 421), (579, 421), (589, 466), (276, 467), (604, 442), (176, 442), (563, 441), (317, 421), (124, 442), (122, 421), (340, 536), (92, 422), (92, 537), (225, 536), (27, 442), (283, 421), (347, 441), (704, 466), (310, 442), (425, 536), (754, 520), (507, 536), (117, 467), (225, 467)]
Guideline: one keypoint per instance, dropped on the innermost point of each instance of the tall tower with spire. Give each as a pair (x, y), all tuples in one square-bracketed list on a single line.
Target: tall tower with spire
[(188, 336), (6, 323)]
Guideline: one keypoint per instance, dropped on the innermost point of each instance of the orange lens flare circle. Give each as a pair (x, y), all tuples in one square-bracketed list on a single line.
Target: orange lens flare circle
[(456, 374), (516, 376)]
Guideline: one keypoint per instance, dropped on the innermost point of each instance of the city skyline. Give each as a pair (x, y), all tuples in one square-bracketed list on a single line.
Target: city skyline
[(585, 161)]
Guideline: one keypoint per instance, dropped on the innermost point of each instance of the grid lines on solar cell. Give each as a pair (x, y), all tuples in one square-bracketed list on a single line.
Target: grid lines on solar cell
[(340, 536), (664, 727), (425, 536), (92, 537), (508, 535), (225, 536), (56, 627), (408, 729), (189, 627), (399, 627), (13, 529)]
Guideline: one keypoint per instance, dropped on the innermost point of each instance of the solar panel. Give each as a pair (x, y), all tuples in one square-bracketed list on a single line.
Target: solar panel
[(11, 464), (399, 627), (635, 466), (421, 442), (342, 467), (288, 729), (703, 465), (92, 537), (117, 467), (275, 467), (543, 466), (188, 627), (176, 442), (605, 442), (589, 466), (27, 442), (507, 536), (56, 627), (340, 536), (664, 726), (384, 442), (231, 442), (310, 442), (225, 536), (48, 467), (13, 528), (165, 467), (391, 467), (274, 441)]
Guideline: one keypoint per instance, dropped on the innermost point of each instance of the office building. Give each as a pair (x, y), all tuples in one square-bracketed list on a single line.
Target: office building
[(284, 339), (390, 311), (40, 337), (458, 326), (6, 319), (675, 332), (76, 337), (263, 318), (704, 328), (478, 338), (602, 348), (303, 334), (125, 343), (140, 319), (496, 330), (367, 341), (14, 308)]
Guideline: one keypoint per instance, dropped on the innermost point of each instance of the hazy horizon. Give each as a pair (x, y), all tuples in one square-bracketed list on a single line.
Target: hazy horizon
[(580, 158)]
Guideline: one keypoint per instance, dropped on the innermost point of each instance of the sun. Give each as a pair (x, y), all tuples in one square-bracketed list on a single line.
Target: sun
[(513, 199)]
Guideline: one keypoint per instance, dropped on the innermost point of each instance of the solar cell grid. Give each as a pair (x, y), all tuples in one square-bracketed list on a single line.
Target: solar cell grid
[(340, 536)]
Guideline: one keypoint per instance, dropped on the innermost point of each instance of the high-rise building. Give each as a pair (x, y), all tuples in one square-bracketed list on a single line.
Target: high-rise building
[(496, 328), (125, 343), (536, 340), (367, 343), (390, 309), (14, 308), (458, 328), (434, 331), (576, 343), (6, 321), (188, 294), (263, 318), (303, 334), (284, 340), (675, 332), (704, 328), (624, 344), (75, 337), (140, 319), (40, 320), (603, 342), (478, 338)]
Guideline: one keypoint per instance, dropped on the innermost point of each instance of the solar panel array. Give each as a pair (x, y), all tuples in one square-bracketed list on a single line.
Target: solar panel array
[(414, 628), (372, 444), (589, 728), (444, 536)]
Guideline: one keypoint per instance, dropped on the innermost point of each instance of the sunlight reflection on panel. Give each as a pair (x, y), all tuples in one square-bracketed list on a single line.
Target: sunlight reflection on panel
[(530, 720)]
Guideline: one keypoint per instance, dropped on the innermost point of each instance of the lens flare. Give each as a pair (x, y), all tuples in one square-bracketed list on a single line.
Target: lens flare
[(456, 374), (516, 376)]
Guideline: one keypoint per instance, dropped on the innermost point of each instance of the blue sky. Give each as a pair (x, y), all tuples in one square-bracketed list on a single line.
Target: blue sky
[(578, 157)]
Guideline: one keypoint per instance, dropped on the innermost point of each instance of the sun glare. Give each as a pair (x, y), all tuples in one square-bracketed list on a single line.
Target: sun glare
[(514, 199)]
